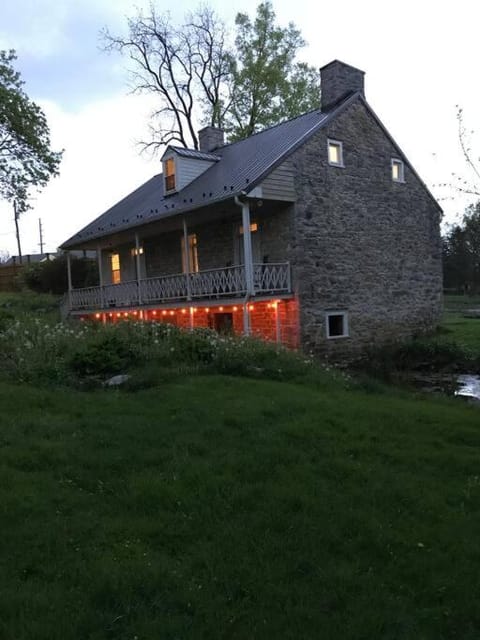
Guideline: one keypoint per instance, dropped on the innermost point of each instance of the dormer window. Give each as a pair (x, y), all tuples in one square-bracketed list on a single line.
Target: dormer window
[(398, 171), (169, 174), (335, 153)]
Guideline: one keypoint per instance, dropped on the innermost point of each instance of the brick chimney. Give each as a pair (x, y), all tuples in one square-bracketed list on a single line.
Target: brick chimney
[(338, 81), (210, 138)]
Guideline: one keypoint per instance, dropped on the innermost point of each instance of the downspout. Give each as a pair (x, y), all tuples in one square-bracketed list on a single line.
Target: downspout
[(247, 251)]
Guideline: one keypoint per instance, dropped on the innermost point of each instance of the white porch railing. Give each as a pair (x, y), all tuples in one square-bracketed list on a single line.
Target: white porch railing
[(271, 278)]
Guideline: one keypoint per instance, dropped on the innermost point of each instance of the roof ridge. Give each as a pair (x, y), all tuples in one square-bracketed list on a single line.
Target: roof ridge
[(274, 126)]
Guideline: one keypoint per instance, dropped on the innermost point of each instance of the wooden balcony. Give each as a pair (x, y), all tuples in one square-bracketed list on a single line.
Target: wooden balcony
[(229, 282)]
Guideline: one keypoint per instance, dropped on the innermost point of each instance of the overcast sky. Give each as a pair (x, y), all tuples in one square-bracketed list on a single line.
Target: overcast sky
[(420, 58)]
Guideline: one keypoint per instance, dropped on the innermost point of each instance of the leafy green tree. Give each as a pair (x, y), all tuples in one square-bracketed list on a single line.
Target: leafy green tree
[(26, 160), (267, 84), (199, 77), (461, 252)]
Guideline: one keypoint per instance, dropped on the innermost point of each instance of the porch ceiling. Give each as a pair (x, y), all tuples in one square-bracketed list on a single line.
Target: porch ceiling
[(174, 222)]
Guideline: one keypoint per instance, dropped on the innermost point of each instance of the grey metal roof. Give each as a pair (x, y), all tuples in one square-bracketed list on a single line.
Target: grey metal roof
[(193, 153), (241, 166)]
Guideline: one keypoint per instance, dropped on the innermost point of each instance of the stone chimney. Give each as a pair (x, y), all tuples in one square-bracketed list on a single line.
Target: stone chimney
[(210, 138), (338, 81)]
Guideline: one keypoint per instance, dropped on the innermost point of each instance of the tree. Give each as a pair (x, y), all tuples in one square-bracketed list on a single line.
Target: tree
[(461, 252), (186, 67), (470, 186), (200, 79), (268, 86), (26, 159)]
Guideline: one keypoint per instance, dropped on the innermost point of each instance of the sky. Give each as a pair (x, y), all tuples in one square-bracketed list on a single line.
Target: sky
[(420, 59)]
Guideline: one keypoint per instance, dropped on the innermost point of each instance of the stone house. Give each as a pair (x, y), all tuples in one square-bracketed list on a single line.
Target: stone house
[(317, 233)]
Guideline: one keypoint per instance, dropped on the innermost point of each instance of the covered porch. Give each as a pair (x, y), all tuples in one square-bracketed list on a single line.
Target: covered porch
[(269, 279), (195, 265)]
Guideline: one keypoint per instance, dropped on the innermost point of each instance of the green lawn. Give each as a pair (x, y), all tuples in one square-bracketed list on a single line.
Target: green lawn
[(218, 507), (456, 327)]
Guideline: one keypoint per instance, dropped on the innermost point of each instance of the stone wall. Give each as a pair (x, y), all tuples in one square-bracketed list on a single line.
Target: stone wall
[(218, 245), (363, 243)]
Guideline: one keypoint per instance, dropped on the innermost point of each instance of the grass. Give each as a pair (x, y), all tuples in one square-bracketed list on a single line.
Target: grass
[(218, 507), (27, 303), (464, 331)]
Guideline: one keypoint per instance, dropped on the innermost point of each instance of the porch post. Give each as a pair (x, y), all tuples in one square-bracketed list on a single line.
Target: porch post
[(247, 248), (246, 319), (187, 258), (69, 280), (100, 274), (277, 323), (137, 259)]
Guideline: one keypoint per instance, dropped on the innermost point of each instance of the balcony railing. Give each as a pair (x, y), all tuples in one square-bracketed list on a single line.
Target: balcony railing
[(271, 278)]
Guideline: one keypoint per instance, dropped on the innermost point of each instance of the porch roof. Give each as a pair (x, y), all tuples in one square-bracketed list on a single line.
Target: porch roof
[(242, 165)]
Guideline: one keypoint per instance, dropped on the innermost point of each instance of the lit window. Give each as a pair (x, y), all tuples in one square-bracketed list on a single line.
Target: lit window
[(115, 265), (337, 324), (192, 253), (398, 172), (169, 173), (253, 228), (335, 153)]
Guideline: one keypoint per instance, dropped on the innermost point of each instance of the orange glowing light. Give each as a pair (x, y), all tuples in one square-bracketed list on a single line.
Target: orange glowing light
[(235, 308), (126, 314), (118, 315), (184, 311), (110, 314), (251, 307), (135, 313), (220, 308), (164, 313), (172, 313), (207, 309), (154, 313), (97, 315)]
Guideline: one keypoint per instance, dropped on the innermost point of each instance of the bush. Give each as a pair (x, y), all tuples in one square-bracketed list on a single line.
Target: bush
[(416, 355), (50, 276), (106, 355), (40, 352)]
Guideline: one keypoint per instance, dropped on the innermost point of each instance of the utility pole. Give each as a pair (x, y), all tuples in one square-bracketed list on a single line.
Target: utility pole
[(16, 216), (41, 235)]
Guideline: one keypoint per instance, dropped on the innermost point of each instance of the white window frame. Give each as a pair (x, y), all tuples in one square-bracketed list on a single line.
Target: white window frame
[(339, 145), (345, 333), (401, 172)]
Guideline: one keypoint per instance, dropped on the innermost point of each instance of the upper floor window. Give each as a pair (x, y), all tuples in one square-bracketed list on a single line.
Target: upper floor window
[(398, 170), (335, 153), (169, 174)]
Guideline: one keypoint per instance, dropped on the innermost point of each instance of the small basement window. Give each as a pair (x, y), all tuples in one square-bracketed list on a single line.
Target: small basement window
[(335, 153), (398, 170), (169, 174), (337, 324)]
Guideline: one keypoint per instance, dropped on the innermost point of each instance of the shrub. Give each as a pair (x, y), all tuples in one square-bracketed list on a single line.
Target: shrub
[(106, 354), (50, 276)]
